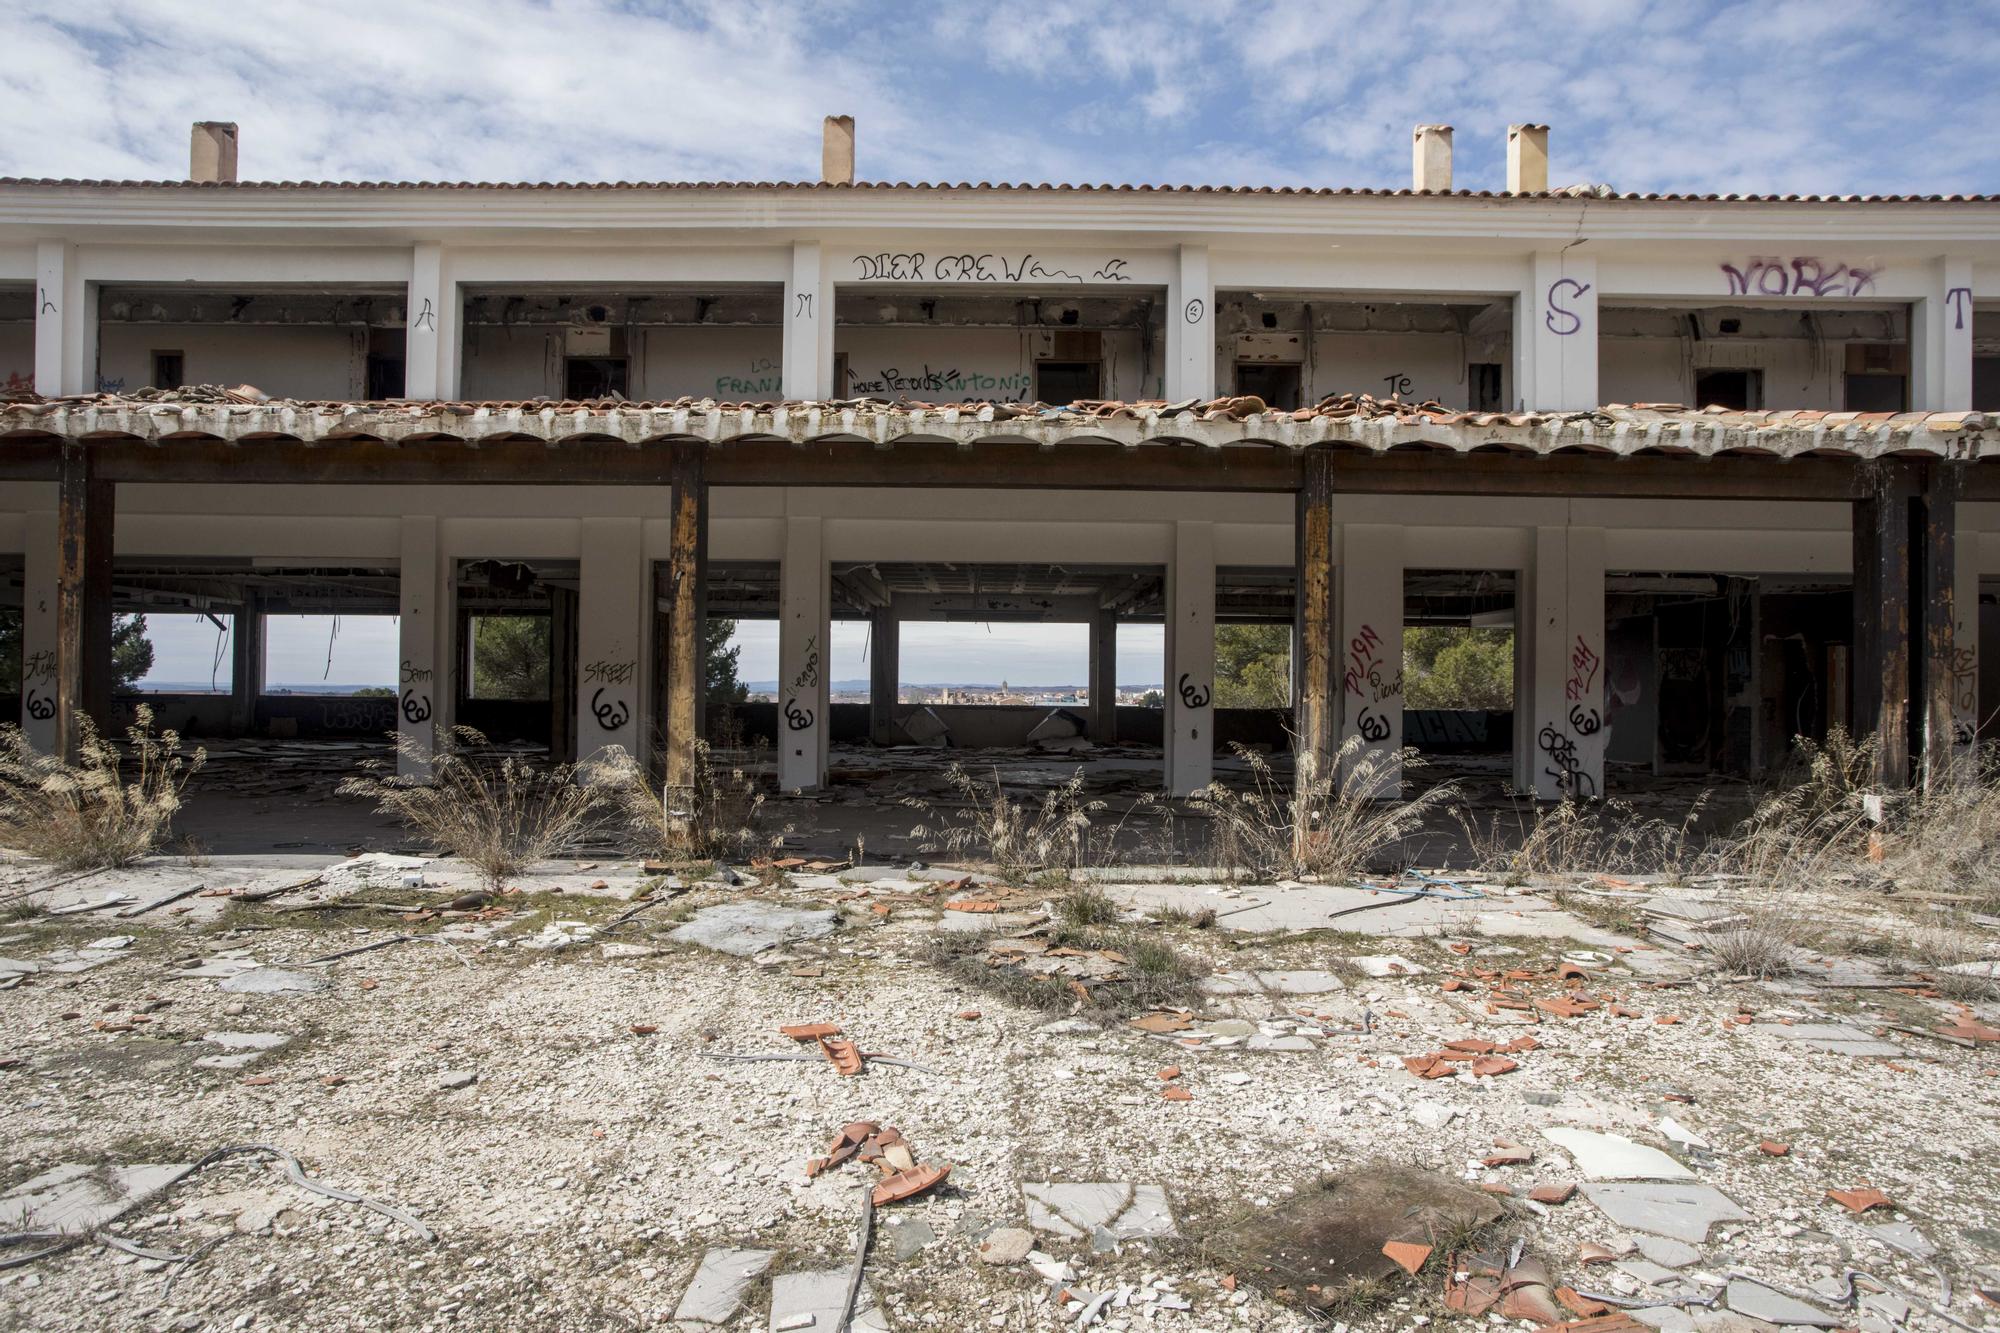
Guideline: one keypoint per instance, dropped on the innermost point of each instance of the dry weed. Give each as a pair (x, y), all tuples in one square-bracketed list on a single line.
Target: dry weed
[(1313, 826), (726, 820), (1760, 948), (1018, 837), (497, 815), (86, 815), (1570, 838)]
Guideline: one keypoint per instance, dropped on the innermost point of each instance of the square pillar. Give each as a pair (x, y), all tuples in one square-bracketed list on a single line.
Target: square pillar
[(246, 666), (1559, 737), (1190, 363), (1190, 683), (1883, 620), (807, 368), (687, 624), (1941, 340), (884, 673), (426, 685), (84, 505), (1555, 334), (65, 322), (1371, 663), (1104, 676), (1937, 678), (1964, 662), (38, 631), (430, 369), (612, 630), (805, 637), (1315, 678)]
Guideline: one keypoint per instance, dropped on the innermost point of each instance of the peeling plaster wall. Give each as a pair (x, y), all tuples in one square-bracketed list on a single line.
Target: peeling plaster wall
[(1797, 374), (955, 365), (17, 354), (286, 362)]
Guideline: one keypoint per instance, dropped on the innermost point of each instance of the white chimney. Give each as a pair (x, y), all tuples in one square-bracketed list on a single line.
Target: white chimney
[(212, 153), (1430, 158), (836, 153), (1527, 159)]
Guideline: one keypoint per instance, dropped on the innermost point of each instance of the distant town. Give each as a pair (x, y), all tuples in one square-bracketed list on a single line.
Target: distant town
[(856, 692)]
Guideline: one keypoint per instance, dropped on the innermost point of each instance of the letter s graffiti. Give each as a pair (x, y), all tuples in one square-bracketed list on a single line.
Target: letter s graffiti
[(1554, 312)]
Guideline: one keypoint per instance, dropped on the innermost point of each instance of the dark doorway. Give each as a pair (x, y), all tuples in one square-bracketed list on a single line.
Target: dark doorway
[(1068, 381), (1741, 390), (593, 377), (1277, 383)]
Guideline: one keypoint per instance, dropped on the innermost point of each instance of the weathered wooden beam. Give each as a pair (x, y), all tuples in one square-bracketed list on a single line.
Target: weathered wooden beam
[(687, 614), (1882, 614), (884, 673), (563, 639), (1104, 676), (1317, 690), (84, 505), (1935, 516)]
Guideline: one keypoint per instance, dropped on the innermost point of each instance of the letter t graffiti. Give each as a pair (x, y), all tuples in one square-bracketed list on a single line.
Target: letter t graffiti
[(1959, 299)]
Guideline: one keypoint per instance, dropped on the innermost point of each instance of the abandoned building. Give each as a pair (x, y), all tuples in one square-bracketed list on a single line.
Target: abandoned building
[(1718, 462)]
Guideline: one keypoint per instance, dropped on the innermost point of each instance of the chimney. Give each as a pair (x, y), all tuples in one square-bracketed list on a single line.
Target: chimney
[(212, 153), (1430, 158), (836, 153), (1527, 159)]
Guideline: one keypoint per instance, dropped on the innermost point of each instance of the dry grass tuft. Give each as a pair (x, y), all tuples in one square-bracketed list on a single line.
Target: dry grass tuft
[(1314, 826), (1569, 838), (726, 821), (86, 815), (497, 815), (1019, 837), (1760, 948)]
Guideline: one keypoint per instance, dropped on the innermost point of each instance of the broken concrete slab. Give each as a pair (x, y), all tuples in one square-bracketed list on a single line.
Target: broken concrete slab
[(1059, 724), (1904, 1237), (1073, 1211), (1774, 1307), (274, 981), (1679, 1210), (1388, 965), (814, 1301), (216, 969), (747, 928), (1614, 1157), (77, 1196), (1667, 1252), (243, 1047), (1836, 1038), (720, 1280), (1302, 982)]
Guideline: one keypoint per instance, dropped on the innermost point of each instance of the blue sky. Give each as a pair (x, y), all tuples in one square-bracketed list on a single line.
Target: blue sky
[(1766, 95)]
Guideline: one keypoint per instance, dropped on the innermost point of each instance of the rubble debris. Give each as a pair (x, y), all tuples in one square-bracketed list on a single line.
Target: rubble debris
[(1309, 1249), (1406, 1254), (1835, 1038), (1614, 1157), (817, 1301), (1758, 1301), (1007, 1245), (720, 1281), (924, 727), (1075, 1211), (742, 929), (1681, 1210), (243, 1047), (1859, 1200), (273, 981)]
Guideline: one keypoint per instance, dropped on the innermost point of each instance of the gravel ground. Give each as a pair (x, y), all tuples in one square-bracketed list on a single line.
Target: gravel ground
[(577, 1182)]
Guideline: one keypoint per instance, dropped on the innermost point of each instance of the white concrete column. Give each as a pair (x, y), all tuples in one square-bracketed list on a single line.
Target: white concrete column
[(1560, 740), (430, 368), (38, 631), (807, 370), (65, 322), (805, 651), (1371, 664), (1964, 664), (425, 680), (1190, 683), (1190, 367), (613, 624), (1555, 334), (1941, 340)]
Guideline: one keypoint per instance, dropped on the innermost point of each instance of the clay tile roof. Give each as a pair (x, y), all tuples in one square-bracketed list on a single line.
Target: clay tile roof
[(1297, 191), (1351, 420)]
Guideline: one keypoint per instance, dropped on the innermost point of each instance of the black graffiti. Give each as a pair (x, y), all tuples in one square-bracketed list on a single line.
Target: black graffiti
[(802, 305), (611, 716), (1587, 721), (797, 718), (425, 318), (48, 306), (1398, 383), (1193, 695), (1194, 310), (416, 707), (1114, 271), (890, 268), (1565, 767), (609, 673), (39, 708), (40, 665), (808, 675), (1374, 727), (910, 266), (415, 675)]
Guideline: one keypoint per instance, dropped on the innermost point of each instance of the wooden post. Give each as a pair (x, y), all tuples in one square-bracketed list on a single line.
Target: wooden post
[(562, 673), (1936, 581), (1882, 587), (83, 597), (1104, 676), (1317, 722), (884, 673), (687, 614)]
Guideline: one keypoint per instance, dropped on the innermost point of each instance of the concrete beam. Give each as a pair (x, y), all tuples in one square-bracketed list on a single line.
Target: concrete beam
[(1371, 665), (84, 522), (805, 635), (426, 685), (614, 628), (884, 671), (687, 578), (1104, 676), (1190, 683)]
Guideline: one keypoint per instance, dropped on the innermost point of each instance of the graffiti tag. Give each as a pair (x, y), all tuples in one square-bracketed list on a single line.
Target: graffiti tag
[(1803, 275)]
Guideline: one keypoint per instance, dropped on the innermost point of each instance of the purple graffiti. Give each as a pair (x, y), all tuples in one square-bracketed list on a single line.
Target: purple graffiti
[(1958, 298), (1803, 275), (1549, 317)]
